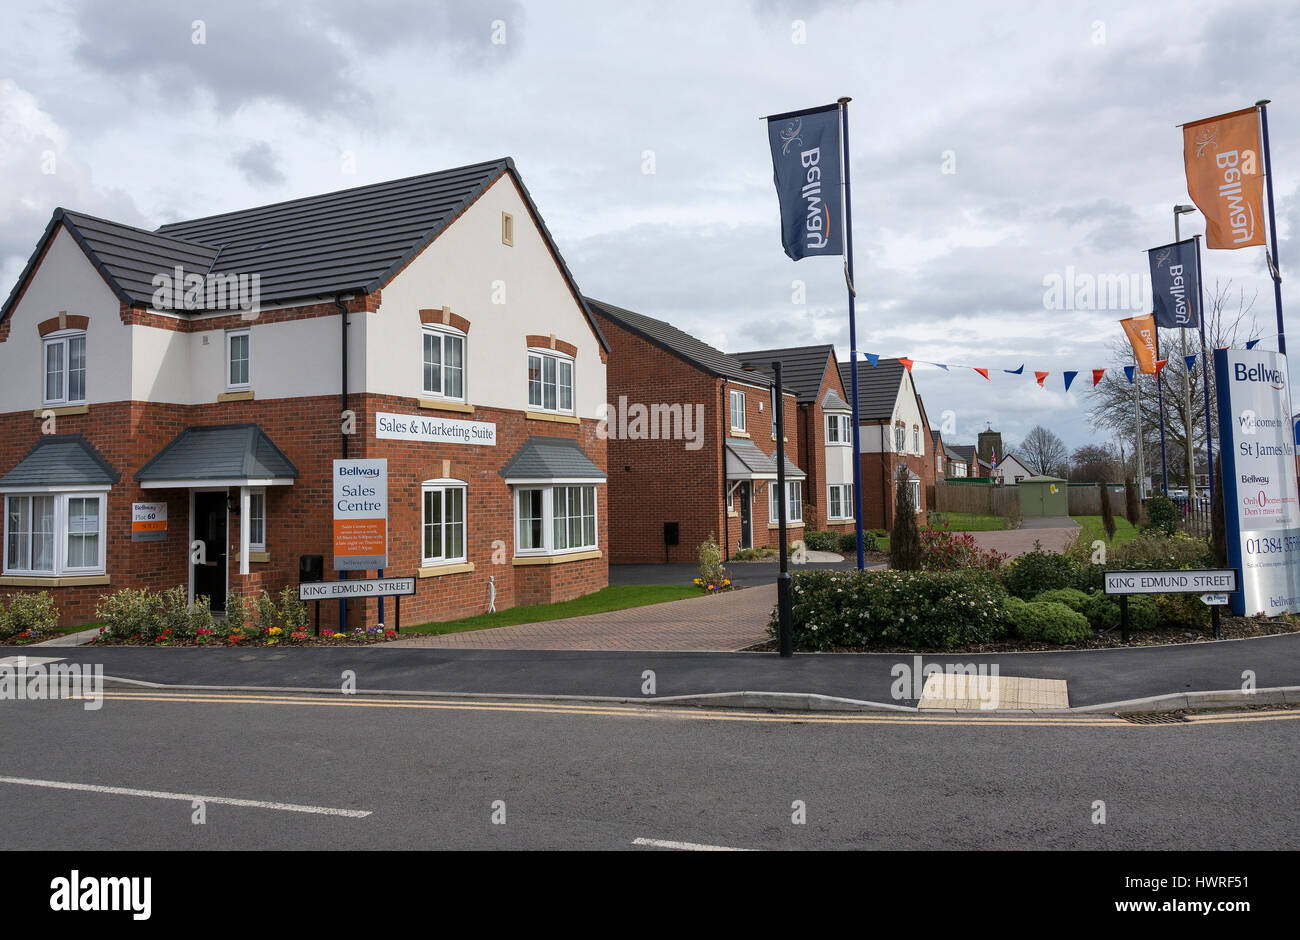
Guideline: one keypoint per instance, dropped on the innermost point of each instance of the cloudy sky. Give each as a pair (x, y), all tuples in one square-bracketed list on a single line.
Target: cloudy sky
[(635, 127)]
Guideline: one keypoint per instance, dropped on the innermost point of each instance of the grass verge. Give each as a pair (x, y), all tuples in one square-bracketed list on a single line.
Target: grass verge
[(1093, 529)]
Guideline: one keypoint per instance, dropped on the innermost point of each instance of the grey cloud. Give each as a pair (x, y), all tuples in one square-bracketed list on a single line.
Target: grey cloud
[(258, 163)]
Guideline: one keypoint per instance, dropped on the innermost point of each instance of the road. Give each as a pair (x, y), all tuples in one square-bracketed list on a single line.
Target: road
[(424, 774)]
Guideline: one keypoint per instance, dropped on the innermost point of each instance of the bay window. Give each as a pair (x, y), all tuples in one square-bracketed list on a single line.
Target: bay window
[(550, 382), (838, 429), (793, 501), (444, 364), (552, 520), (65, 368), (54, 533), (443, 526), (840, 501)]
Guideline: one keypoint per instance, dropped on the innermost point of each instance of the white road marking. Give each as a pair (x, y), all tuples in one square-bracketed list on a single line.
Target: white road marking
[(685, 846), (188, 797), (29, 660)]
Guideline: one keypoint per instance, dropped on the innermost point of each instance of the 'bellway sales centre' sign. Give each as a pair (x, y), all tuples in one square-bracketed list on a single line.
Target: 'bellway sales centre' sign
[(360, 514)]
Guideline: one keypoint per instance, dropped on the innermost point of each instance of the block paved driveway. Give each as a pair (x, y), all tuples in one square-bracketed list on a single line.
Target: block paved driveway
[(725, 622)]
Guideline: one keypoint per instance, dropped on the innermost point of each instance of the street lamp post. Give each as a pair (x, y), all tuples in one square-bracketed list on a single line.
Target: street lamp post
[(784, 603)]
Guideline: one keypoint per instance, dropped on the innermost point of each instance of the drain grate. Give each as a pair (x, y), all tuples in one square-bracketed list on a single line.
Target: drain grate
[(1164, 718)]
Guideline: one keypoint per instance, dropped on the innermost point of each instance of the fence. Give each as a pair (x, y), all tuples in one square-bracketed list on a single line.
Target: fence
[(1195, 512), (979, 498), (1086, 501)]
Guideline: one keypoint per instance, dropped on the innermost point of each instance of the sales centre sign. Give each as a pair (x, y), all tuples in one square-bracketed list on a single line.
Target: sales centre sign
[(433, 430), (360, 514)]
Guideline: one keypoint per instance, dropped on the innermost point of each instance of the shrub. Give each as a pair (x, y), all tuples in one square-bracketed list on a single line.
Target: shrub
[(1101, 611), (1048, 621), (1132, 505), (1072, 598), (904, 538), (920, 609), (1035, 572), (710, 561), (130, 612), (1218, 525), (848, 543), (944, 550), (267, 615), (28, 612), (821, 541), (1107, 514), (293, 612), (1162, 515), (1153, 550), (1141, 614)]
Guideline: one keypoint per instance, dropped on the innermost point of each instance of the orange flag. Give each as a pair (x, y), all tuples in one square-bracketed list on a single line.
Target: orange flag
[(1096, 376), (1041, 376), (1225, 178), (983, 372), (1142, 335), (907, 363)]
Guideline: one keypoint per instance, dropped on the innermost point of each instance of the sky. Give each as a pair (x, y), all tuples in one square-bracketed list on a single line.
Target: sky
[(993, 146)]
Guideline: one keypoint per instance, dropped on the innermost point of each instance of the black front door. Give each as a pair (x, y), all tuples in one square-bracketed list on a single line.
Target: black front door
[(210, 529), (746, 528)]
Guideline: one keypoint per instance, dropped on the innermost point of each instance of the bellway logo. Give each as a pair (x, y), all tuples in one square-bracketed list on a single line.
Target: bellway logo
[(1275, 378), (83, 893), (817, 223)]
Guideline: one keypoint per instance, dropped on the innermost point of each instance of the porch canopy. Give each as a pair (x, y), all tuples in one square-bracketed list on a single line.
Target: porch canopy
[(220, 455), (746, 462)]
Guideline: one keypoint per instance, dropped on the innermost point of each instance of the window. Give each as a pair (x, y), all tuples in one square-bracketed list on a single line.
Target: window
[(838, 430), (555, 519), (737, 410), (731, 497), (443, 525), (840, 501), (65, 368), (915, 487), (916, 440), (257, 520), (54, 533), (444, 364), (793, 504), (507, 229), (238, 355), (900, 439), (550, 382)]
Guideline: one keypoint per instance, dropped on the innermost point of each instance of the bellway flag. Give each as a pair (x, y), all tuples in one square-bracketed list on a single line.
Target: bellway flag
[(806, 167), (1173, 285), (1225, 177), (1142, 335)]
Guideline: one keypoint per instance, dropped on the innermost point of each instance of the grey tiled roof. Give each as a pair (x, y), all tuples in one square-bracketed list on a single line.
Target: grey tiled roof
[(550, 458), (755, 461), (352, 240), (680, 343), (218, 452), (832, 402), (61, 460), (878, 387), (802, 367)]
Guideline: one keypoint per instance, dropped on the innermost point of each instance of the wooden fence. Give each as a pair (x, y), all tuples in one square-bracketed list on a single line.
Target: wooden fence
[(1086, 501), (979, 498)]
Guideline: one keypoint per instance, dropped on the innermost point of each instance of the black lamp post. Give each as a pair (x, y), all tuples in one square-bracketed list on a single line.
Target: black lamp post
[(784, 611)]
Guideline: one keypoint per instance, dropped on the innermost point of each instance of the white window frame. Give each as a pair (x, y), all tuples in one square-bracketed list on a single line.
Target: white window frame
[(843, 430), (737, 395), (62, 339), (915, 486), (731, 497), (900, 438), (230, 337), (560, 359), (548, 517), (443, 487), (60, 532), (916, 439), (846, 501), (793, 501), (442, 334), (256, 494)]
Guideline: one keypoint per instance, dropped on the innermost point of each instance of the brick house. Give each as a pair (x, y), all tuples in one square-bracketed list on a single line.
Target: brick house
[(692, 444), (895, 432), (428, 321), (825, 431)]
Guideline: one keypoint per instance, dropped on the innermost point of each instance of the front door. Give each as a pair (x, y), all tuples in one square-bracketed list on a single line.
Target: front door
[(210, 529), (746, 516)]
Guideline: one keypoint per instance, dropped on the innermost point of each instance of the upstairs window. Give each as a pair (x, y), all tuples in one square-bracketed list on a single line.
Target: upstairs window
[(239, 355), (444, 364), (65, 368), (550, 382), (737, 410), (916, 440), (838, 429), (900, 439)]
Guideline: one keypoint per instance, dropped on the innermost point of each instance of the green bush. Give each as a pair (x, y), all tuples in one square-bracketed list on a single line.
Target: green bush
[(130, 612), (848, 543), (1035, 572), (1072, 598), (1141, 614), (1162, 515), (920, 609), (709, 556), (1102, 612), (28, 612), (293, 612), (1049, 621), (821, 541), (1154, 550), (177, 614)]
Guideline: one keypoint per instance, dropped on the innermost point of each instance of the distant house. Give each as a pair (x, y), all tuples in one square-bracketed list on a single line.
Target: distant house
[(894, 432), (825, 430), (1011, 470), (966, 461)]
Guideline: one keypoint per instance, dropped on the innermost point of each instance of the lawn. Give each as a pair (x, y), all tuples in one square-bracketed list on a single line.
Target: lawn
[(1093, 529), (967, 521), (614, 597)]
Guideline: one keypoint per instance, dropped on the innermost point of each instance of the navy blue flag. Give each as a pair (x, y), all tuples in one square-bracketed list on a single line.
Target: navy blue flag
[(806, 167), (1173, 285)]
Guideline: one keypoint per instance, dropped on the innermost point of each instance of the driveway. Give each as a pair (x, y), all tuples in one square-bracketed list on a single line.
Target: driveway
[(1055, 537)]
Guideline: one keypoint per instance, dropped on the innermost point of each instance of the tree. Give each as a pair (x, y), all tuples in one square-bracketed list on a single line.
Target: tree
[(904, 537), (1107, 514), (1132, 505), (1228, 322), (1218, 524), (1043, 452), (1093, 463)]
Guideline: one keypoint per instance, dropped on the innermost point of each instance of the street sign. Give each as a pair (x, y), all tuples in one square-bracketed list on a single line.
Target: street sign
[(370, 587), (360, 514), (1217, 580), (1214, 600)]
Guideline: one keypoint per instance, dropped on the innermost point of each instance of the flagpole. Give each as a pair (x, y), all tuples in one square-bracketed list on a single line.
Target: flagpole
[(846, 196), (1276, 272), (1137, 413), (1160, 390), (1205, 375)]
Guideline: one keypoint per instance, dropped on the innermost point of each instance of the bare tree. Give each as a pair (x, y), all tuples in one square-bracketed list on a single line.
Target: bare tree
[(1228, 322), (1094, 463), (1043, 452)]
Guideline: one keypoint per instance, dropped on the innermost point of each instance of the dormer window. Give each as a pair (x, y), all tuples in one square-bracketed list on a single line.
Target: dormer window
[(65, 368)]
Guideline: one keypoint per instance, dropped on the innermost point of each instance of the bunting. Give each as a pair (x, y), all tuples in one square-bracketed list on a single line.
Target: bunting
[(1041, 377), (907, 363), (1190, 361), (983, 372), (1015, 371), (1160, 364), (1128, 372), (1096, 376), (1069, 377)]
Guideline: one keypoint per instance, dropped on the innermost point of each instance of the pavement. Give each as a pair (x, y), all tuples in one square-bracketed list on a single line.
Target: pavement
[(1094, 677)]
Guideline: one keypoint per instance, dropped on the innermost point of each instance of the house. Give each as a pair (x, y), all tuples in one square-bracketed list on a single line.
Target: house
[(955, 464), (173, 400), (968, 456), (1011, 470), (691, 444), (895, 432), (825, 430)]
